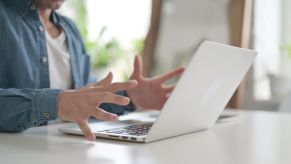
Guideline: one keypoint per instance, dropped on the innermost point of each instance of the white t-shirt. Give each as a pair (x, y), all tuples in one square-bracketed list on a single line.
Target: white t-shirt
[(59, 62)]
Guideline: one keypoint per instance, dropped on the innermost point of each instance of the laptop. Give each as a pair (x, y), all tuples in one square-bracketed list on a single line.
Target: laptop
[(200, 96)]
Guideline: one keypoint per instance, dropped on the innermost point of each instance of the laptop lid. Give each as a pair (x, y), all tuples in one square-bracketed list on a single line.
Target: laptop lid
[(203, 91)]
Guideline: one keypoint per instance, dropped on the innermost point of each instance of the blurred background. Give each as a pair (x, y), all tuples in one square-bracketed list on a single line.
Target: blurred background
[(167, 32)]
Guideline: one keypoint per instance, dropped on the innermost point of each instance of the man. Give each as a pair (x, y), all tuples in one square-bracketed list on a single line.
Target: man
[(45, 73)]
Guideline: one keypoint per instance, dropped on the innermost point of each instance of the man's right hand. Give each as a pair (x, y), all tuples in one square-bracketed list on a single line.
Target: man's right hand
[(79, 105)]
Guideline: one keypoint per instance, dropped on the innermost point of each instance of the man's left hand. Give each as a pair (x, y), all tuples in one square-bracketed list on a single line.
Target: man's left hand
[(151, 93)]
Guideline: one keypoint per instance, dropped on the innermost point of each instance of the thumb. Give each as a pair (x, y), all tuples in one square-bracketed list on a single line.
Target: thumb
[(106, 81)]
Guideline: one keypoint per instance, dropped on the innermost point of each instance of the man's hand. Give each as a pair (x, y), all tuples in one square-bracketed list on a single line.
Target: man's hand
[(151, 93), (79, 105)]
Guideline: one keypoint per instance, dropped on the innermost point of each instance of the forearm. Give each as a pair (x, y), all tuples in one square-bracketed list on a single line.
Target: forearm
[(24, 108)]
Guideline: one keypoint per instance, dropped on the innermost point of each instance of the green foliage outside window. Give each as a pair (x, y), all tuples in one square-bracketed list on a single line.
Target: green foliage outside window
[(102, 52)]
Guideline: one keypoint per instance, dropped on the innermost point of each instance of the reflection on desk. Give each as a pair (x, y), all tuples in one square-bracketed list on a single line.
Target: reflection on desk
[(248, 138)]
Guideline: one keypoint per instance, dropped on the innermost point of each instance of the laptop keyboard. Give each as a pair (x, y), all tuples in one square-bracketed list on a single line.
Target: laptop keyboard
[(137, 130)]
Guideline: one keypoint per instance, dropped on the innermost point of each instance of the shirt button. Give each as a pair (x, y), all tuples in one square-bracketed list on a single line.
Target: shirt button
[(44, 60), (40, 28), (32, 7), (46, 115)]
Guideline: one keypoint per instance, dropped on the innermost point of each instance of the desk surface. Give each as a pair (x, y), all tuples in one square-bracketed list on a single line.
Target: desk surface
[(249, 138)]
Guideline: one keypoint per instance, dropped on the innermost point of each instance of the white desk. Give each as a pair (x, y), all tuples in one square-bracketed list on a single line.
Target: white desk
[(250, 138)]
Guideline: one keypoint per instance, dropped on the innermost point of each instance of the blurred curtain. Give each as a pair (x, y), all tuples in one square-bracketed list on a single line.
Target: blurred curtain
[(240, 23), (152, 36)]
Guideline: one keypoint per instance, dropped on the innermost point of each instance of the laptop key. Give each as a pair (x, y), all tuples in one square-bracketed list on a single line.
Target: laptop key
[(138, 130)]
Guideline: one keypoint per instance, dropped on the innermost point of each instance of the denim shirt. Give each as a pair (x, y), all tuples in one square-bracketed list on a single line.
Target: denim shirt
[(26, 99)]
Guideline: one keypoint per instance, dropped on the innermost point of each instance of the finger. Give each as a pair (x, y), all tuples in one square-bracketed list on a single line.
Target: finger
[(106, 81), (169, 89), (110, 88), (171, 74), (83, 124), (117, 86), (107, 97), (122, 86), (88, 89), (103, 115), (137, 71)]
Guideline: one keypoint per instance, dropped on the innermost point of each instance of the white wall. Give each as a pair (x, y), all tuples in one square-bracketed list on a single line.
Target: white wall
[(184, 24), (286, 37), (267, 30)]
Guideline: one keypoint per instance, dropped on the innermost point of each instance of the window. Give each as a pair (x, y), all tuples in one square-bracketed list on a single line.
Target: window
[(113, 32)]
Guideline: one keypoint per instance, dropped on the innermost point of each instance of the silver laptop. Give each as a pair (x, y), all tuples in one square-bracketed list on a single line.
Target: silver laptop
[(200, 96)]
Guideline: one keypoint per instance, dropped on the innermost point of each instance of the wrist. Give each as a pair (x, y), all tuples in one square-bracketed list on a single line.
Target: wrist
[(60, 104)]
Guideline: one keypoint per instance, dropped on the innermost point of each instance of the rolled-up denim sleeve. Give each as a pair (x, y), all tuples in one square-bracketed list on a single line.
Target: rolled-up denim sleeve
[(24, 108)]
